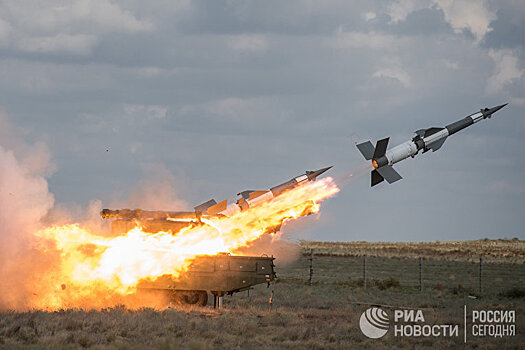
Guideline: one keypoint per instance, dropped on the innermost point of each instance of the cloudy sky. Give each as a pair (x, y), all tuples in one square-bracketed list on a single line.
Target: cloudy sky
[(172, 103)]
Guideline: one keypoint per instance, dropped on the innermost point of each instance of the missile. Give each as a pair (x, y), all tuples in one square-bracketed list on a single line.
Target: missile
[(251, 197), (174, 221), (425, 140)]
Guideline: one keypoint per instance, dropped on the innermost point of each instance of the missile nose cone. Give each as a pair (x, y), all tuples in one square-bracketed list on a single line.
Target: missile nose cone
[(487, 112), (497, 108), (312, 175)]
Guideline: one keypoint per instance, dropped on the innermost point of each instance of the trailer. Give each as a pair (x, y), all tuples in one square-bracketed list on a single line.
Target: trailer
[(219, 275)]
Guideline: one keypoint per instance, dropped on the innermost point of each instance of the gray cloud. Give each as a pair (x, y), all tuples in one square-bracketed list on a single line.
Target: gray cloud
[(426, 22), (506, 27)]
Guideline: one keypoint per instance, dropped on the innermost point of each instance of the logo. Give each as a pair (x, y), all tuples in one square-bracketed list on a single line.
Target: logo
[(374, 323)]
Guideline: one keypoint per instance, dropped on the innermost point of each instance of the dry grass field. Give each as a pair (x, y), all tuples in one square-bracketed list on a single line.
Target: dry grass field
[(322, 316), (499, 250)]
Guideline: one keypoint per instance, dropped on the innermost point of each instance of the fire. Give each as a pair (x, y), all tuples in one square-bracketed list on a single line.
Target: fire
[(91, 264)]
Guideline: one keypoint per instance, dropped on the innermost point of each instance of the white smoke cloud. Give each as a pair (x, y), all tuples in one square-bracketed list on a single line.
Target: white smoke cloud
[(24, 201), (26, 206), (277, 245), (155, 192)]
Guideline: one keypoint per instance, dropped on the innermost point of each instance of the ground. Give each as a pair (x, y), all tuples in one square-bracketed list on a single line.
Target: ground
[(323, 315)]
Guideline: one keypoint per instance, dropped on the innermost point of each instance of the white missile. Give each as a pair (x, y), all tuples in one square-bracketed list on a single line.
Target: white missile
[(250, 198), (425, 140)]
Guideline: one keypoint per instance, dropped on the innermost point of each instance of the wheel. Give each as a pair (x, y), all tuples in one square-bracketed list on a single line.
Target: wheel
[(192, 297)]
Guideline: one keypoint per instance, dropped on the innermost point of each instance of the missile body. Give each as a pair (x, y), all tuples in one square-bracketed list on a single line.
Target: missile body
[(250, 197), (425, 140)]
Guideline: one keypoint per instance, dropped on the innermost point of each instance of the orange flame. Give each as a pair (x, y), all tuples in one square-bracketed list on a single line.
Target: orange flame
[(91, 264)]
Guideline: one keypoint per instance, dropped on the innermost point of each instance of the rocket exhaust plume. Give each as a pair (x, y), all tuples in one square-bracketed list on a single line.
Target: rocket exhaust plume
[(356, 173), (94, 265)]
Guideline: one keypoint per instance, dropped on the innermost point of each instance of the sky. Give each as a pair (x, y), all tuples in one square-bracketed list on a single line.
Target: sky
[(167, 104)]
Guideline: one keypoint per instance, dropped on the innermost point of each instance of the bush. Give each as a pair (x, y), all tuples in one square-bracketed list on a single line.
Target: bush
[(380, 284), (514, 293), (388, 283), (459, 290), (438, 286)]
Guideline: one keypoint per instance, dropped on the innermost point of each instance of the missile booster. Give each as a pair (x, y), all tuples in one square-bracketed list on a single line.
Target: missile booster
[(250, 197)]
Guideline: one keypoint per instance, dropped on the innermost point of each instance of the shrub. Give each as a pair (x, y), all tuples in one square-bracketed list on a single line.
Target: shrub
[(459, 290), (388, 283), (514, 293), (438, 286)]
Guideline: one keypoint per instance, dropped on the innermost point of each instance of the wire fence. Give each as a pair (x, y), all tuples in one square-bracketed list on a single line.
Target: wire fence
[(417, 273)]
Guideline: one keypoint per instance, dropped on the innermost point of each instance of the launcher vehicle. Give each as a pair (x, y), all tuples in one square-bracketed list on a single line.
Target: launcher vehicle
[(218, 274)]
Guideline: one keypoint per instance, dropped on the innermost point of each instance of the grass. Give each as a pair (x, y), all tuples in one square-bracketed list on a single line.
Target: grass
[(322, 316), (497, 251)]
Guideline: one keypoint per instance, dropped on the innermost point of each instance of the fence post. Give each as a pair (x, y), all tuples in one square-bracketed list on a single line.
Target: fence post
[(311, 266), (480, 274), (420, 274), (270, 301), (364, 271)]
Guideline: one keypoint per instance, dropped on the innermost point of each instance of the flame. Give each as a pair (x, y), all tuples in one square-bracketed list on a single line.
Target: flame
[(98, 266)]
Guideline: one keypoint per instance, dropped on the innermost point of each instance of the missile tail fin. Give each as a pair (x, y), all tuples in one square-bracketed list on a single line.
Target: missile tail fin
[(204, 206), (366, 149), (420, 133), (380, 149), (217, 208), (389, 174), (376, 178)]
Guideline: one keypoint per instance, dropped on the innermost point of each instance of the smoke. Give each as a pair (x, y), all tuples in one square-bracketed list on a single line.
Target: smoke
[(30, 267), (154, 192), (358, 172), (277, 245), (89, 216), (24, 200)]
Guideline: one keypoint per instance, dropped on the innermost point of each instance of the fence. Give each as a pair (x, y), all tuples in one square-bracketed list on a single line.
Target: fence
[(417, 273)]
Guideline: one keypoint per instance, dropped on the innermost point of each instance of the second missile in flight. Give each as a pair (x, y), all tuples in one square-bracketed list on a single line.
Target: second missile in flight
[(425, 140)]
